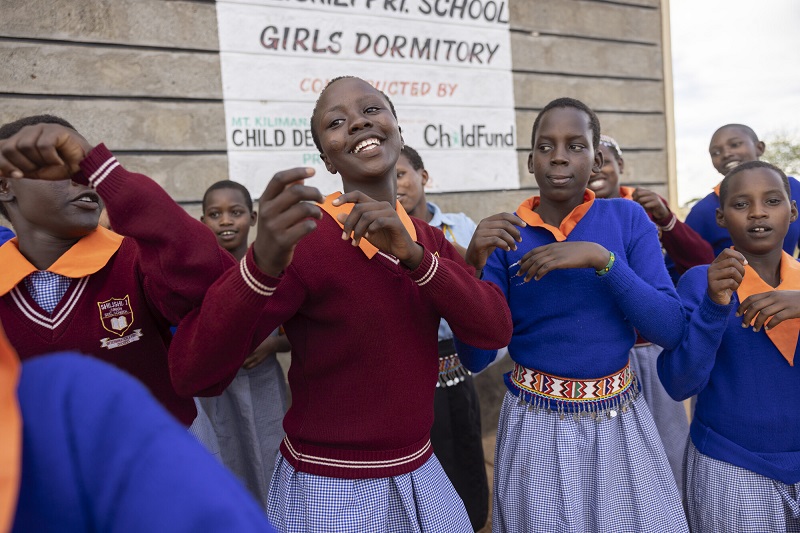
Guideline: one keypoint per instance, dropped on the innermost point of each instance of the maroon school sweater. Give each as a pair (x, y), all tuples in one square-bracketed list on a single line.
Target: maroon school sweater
[(122, 312), (364, 345)]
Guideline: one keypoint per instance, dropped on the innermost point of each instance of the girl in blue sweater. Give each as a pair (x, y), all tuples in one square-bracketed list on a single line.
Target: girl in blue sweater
[(577, 449), (737, 355)]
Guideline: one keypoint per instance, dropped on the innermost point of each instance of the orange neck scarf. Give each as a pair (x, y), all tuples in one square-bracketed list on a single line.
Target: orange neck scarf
[(526, 211), (10, 433), (784, 336), (716, 189), (366, 246), (626, 192), (87, 256)]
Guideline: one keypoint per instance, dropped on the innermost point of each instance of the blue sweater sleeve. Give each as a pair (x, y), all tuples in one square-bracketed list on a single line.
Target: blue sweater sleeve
[(642, 288), (476, 359), (685, 369), (99, 453)]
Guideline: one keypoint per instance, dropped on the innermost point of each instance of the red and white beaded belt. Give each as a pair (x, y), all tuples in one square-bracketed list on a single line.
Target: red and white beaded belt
[(560, 388)]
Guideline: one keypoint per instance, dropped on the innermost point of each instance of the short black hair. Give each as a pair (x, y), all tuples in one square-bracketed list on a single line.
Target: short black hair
[(12, 128), (723, 187), (228, 184), (747, 129), (413, 157), (314, 134), (594, 122)]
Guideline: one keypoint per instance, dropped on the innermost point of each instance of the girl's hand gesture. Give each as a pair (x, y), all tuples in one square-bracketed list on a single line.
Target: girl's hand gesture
[(652, 203), (725, 275), (43, 151), (379, 223), (559, 255), (496, 231), (285, 215), (775, 306)]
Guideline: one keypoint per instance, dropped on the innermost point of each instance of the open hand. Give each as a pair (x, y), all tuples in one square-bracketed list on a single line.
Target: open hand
[(775, 306), (43, 151), (559, 255), (496, 231), (285, 216), (379, 223), (725, 275)]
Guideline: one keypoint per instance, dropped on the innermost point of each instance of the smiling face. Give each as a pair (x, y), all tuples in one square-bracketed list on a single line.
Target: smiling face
[(61, 209), (227, 215), (757, 211), (563, 158), (358, 133), (605, 183), (732, 146)]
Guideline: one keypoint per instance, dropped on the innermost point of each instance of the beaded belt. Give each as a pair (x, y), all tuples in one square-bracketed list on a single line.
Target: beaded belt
[(582, 397), (451, 371)]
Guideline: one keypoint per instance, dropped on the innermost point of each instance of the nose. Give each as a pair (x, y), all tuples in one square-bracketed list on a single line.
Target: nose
[(757, 210), (558, 156), (225, 220), (360, 123)]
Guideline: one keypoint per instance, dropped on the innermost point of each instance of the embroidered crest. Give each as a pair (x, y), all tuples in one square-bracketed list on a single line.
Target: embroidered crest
[(116, 315)]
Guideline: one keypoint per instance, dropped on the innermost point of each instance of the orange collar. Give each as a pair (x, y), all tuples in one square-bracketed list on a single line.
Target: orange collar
[(366, 246), (784, 336), (626, 192), (526, 211), (87, 256), (10, 433), (716, 189)]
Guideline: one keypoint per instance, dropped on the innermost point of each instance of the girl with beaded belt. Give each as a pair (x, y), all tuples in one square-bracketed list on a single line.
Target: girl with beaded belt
[(577, 449), (683, 248), (360, 288)]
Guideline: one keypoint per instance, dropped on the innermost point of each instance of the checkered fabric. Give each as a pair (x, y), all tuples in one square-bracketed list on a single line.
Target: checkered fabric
[(47, 288), (582, 474), (725, 498), (423, 500), (669, 415)]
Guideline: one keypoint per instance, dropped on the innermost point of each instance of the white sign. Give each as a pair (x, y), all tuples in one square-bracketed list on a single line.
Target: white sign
[(445, 64)]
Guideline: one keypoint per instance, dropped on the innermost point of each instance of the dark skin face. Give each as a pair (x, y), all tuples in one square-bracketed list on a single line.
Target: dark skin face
[(227, 215), (360, 138), (605, 183), (733, 146), (411, 189), (562, 160), (757, 213)]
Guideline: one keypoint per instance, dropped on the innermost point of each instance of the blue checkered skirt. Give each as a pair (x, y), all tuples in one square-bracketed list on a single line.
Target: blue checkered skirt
[(669, 415), (725, 498), (581, 474), (423, 500)]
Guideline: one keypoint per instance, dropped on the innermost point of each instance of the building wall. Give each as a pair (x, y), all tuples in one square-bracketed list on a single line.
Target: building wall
[(143, 76)]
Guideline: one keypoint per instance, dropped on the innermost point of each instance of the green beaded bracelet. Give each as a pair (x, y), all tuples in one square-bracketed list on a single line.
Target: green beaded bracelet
[(603, 271)]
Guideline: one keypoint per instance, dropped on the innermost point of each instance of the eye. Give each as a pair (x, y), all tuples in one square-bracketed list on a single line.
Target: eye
[(238, 212), (372, 109), (335, 122), (736, 144), (576, 147), (544, 148), (715, 153), (774, 201), (740, 205)]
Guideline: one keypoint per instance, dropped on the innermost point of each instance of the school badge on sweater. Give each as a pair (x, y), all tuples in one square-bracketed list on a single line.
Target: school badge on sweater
[(116, 316)]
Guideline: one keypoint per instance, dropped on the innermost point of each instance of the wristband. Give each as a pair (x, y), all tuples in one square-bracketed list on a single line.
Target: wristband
[(603, 271)]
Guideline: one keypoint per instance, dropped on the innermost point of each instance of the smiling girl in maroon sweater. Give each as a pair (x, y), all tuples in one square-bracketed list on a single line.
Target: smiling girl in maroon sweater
[(360, 288)]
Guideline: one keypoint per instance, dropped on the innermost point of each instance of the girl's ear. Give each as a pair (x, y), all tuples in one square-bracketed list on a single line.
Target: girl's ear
[(425, 177), (794, 211), (760, 148), (598, 161), (6, 194), (530, 162), (721, 217), (253, 218), (621, 165), (328, 164)]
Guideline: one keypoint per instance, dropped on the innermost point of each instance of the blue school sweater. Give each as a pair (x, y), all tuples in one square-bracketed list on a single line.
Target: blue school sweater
[(746, 391), (100, 454), (703, 219), (574, 323)]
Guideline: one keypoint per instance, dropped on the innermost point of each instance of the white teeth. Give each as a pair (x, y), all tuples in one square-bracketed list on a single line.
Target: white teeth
[(731, 165), (225, 233), (759, 230), (86, 199), (367, 144)]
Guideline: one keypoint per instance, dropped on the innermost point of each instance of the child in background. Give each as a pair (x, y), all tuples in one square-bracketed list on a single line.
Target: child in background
[(577, 449), (360, 292), (68, 284), (247, 418), (732, 145), (737, 355), (688, 249), (456, 432)]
